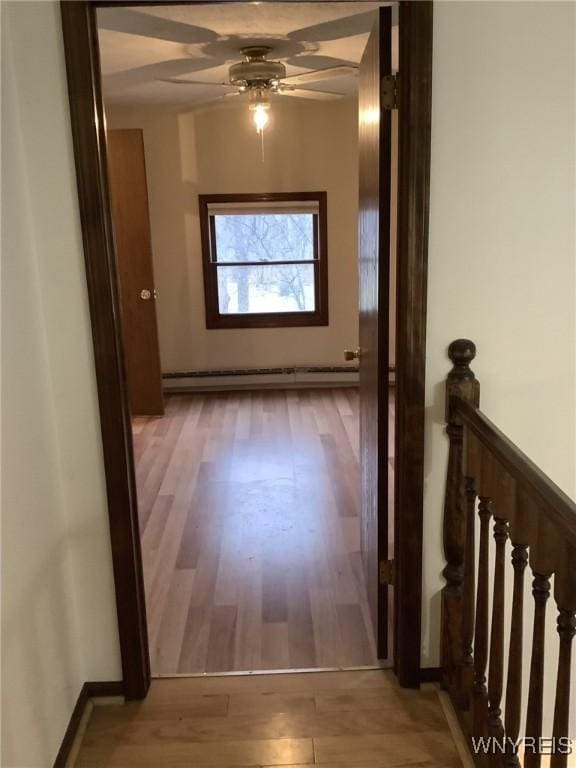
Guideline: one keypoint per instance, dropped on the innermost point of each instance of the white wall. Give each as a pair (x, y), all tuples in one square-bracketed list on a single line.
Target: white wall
[(309, 146), (502, 261), (58, 608)]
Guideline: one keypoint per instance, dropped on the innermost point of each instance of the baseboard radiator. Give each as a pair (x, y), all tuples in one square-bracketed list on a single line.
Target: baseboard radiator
[(296, 377), (262, 378)]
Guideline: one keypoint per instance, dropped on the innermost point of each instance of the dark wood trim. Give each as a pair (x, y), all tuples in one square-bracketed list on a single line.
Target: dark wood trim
[(100, 688), (216, 320), (87, 121), (559, 508), (264, 197), (87, 692), (72, 728), (430, 674), (414, 118)]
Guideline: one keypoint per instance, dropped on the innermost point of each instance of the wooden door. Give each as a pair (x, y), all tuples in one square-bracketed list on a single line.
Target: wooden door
[(130, 215), (374, 251)]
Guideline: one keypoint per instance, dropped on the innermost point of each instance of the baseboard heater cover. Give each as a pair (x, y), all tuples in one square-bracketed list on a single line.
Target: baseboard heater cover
[(258, 371), (285, 376)]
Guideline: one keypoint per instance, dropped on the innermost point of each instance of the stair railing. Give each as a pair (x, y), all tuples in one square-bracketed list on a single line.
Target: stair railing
[(492, 484)]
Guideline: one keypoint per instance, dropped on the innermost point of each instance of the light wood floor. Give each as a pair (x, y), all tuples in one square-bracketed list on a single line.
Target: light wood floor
[(333, 719), (250, 532)]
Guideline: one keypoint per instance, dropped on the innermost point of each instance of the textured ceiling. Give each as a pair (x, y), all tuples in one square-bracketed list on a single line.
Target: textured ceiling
[(142, 46)]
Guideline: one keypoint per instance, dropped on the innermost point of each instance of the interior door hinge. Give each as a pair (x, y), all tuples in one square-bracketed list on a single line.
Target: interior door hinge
[(386, 572), (389, 92)]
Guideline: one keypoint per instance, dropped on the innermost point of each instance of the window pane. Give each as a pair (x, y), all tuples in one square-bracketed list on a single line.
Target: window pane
[(264, 237), (267, 288)]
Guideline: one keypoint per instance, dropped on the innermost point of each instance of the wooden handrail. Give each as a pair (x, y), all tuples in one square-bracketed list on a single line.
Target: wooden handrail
[(491, 482), (559, 506)]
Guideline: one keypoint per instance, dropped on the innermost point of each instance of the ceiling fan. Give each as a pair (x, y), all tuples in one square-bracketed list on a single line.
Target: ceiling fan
[(256, 74), (172, 33), (259, 77)]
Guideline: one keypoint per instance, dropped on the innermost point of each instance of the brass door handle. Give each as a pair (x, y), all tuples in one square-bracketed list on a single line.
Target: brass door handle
[(146, 295), (352, 354)]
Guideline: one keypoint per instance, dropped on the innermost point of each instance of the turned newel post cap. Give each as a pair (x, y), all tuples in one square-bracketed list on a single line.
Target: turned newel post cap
[(461, 352)]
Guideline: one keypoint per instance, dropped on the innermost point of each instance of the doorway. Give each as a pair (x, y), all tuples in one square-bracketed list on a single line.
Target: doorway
[(121, 483)]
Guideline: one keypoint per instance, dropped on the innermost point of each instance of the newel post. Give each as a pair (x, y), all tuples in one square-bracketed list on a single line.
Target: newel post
[(460, 382)]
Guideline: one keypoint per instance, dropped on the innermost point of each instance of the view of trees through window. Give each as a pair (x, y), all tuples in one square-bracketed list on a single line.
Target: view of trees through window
[(253, 256)]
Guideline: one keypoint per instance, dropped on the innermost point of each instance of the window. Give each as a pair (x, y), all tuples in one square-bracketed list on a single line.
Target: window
[(264, 260)]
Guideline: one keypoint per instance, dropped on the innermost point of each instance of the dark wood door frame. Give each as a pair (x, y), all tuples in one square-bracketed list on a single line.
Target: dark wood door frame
[(87, 122), (414, 120)]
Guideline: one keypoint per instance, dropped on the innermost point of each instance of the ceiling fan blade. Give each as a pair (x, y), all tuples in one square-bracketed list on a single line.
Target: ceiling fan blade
[(127, 78), (318, 62), (146, 25), (176, 81), (305, 93), (320, 74), (357, 24)]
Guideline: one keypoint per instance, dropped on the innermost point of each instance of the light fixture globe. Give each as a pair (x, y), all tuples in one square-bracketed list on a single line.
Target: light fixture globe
[(259, 108)]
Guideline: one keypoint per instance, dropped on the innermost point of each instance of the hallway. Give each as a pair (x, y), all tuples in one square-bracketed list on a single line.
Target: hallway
[(334, 719), (250, 532)]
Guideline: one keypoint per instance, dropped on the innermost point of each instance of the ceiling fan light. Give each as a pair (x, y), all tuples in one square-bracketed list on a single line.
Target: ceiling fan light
[(260, 115)]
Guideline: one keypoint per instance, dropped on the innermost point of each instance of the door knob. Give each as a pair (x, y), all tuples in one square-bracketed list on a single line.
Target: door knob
[(145, 294), (352, 354)]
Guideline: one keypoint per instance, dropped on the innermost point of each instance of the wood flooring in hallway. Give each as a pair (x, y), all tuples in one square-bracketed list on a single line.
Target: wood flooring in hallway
[(332, 719), (250, 532)]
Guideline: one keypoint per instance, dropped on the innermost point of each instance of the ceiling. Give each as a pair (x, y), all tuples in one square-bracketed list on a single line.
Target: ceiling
[(141, 47)]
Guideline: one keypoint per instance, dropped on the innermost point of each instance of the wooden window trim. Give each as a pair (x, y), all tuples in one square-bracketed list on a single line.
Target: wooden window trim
[(216, 320)]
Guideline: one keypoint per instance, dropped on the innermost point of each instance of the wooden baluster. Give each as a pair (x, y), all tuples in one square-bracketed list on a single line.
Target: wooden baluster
[(567, 631), (468, 596), (514, 679), (460, 382), (565, 596), (496, 667), (480, 694), (541, 592)]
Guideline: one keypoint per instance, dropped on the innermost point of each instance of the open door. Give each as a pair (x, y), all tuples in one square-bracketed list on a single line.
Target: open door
[(374, 258), (131, 218)]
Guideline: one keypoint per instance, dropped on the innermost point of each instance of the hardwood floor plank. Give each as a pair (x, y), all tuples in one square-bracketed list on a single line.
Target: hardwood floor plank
[(248, 647), (174, 755), (354, 634), (165, 653), (327, 640), (194, 650), (275, 652), (221, 638), (419, 704), (394, 749), (191, 706), (274, 594), (301, 645), (267, 703), (152, 530)]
